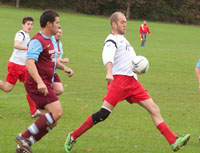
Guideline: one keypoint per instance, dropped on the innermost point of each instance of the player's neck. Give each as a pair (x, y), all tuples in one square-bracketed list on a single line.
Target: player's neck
[(114, 32), (46, 32), (25, 30)]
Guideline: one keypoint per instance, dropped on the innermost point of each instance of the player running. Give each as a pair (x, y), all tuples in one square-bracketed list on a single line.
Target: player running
[(16, 65), (57, 85), (40, 63), (123, 85)]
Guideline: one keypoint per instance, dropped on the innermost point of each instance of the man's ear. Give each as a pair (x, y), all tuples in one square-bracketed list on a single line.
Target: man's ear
[(48, 24), (113, 24)]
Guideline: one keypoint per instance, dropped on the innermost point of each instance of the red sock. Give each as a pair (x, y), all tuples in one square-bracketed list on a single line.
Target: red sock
[(32, 105), (165, 130), (87, 124)]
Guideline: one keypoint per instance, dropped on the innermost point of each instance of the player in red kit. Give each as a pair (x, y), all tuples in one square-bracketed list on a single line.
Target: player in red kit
[(40, 63), (144, 29)]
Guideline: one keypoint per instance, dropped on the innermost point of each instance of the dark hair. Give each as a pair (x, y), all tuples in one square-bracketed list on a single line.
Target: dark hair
[(47, 16), (27, 18)]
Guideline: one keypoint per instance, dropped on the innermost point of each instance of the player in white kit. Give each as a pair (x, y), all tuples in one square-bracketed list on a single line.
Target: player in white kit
[(16, 64), (123, 85)]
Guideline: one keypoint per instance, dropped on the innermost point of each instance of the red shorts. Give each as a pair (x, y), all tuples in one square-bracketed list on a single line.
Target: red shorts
[(15, 72), (56, 78), (125, 87), (40, 100)]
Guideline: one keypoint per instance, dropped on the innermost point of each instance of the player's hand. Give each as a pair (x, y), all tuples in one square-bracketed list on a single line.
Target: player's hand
[(109, 77), (42, 88), (65, 60), (69, 71)]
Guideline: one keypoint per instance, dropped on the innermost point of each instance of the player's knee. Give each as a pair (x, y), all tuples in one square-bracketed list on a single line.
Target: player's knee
[(59, 91), (58, 88), (7, 89), (57, 114), (101, 115)]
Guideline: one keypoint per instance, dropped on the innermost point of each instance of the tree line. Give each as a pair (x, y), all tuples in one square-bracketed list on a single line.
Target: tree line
[(176, 11)]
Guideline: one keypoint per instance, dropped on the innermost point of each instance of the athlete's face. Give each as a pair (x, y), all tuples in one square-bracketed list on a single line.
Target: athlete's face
[(58, 34), (28, 26), (121, 25), (54, 26)]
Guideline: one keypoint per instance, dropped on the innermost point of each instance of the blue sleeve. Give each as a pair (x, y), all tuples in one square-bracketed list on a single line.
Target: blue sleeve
[(34, 49), (198, 64), (61, 49)]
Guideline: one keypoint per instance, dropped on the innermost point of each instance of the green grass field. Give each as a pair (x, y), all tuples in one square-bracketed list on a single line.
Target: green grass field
[(172, 50)]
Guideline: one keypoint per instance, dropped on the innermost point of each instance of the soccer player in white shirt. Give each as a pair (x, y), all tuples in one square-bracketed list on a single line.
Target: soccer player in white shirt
[(123, 85), (16, 64)]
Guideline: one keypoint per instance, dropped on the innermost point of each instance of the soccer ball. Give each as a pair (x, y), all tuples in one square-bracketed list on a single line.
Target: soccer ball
[(139, 64)]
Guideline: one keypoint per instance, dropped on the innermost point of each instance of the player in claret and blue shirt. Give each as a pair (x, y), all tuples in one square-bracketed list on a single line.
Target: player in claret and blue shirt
[(41, 63), (123, 85)]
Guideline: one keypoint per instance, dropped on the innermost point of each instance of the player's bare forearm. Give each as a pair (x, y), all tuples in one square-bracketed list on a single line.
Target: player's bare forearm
[(59, 65), (68, 70), (18, 45), (109, 76), (64, 60)]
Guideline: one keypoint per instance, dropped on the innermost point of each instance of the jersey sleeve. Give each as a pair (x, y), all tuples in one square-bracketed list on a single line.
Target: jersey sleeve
[(109, 52), (61, 49), (19, 36), (34, 50), (198, 64), (140, 30)]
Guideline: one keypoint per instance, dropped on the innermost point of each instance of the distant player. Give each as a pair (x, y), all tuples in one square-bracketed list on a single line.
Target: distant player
[(197, 72), (123, 85), (57, 85), (40, 63), (16, 65), (144, 29)]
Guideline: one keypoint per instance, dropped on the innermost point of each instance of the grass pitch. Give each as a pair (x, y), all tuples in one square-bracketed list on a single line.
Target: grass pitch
[(172, 50)]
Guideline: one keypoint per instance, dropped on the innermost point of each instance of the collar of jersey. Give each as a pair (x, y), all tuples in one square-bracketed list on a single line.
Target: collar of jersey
[(44, 35)]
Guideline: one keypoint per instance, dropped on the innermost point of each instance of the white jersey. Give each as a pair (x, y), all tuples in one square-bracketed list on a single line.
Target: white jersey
[(118, 50), (19, 56)]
